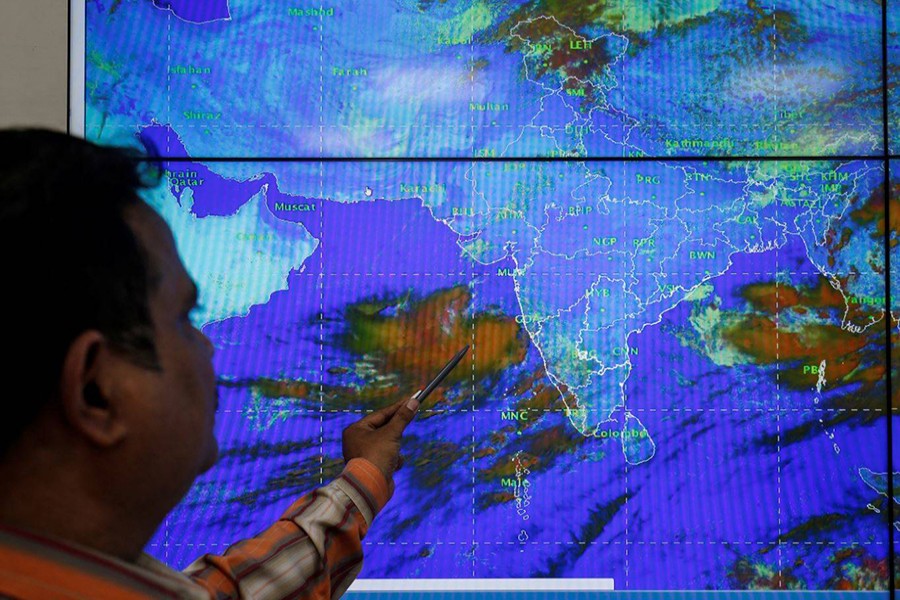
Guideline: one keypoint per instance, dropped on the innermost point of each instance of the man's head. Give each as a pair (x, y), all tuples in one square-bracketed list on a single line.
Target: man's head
[(103, 354)]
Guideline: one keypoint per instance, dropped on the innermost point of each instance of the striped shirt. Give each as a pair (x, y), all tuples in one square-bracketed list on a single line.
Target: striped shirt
[(313, 551)]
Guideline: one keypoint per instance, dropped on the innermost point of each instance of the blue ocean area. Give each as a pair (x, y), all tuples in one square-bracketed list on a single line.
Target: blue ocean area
[(732, 479)]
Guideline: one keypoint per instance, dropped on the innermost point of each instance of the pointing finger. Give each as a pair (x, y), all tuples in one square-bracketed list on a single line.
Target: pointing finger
[(404, 415), (381, 416)]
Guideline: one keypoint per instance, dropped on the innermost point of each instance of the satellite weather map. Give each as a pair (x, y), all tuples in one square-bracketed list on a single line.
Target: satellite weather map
[(660, 226)]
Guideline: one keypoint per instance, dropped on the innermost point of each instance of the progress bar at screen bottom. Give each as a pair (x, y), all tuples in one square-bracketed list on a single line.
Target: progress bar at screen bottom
[(481, 585)]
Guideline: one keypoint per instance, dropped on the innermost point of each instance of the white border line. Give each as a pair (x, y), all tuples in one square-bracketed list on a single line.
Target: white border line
[(77, 32), (482, 585)]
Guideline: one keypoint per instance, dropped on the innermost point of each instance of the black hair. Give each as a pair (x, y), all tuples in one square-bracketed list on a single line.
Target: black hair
[(69, 262)]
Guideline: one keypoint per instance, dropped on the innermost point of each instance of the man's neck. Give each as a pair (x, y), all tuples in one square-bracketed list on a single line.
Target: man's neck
[(64, 504)]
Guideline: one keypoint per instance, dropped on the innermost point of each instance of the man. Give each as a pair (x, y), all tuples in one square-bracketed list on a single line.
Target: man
[(111, 396)]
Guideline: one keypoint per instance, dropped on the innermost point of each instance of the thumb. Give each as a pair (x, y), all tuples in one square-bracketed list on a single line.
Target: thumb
[(404, 414)]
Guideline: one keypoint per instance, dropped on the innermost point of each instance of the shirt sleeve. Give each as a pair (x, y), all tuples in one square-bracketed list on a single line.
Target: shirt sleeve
[(313, 551)]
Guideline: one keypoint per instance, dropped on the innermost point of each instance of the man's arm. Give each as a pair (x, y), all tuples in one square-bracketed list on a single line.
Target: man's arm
[(314, 550)]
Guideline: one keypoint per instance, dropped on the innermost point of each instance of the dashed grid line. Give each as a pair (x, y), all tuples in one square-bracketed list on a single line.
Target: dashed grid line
[(627, 543), (561, 411), (467, 543), (585, 273), (889, 378), (450, 126), (169, 78), (320, 248), (168, 151), (473, 348), (777, 317), (472, 130), (659, 158), (780, 552), (320, 284), (626, 194)]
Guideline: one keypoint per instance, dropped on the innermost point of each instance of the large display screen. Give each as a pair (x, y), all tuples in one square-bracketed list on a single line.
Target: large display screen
[(660, 225)]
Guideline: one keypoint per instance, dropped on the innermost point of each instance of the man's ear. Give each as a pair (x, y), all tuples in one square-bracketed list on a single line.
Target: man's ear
[(88, 404)]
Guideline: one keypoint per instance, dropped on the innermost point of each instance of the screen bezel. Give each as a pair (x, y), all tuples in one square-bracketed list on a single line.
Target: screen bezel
[(76, 71)]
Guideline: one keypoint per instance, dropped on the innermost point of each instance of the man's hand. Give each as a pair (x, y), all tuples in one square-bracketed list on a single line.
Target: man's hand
[(376, 437)]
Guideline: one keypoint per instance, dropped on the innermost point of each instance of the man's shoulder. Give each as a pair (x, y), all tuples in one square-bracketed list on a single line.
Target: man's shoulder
[(36, 566)]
